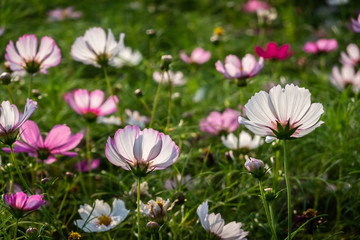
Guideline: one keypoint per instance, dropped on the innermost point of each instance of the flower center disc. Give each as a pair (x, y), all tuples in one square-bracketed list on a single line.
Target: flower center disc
[(104, 220)]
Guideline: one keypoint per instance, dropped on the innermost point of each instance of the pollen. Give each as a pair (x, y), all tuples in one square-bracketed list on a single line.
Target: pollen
[(74, 236), (161, 205), (104, 220)]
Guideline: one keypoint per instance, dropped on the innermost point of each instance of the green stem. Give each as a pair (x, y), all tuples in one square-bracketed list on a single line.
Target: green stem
[(16, 227), (272, 217), (63, 200), (10, 93), (170, 101), (108, 235), (156, 100), (138, 206), (30, 85), (242, 96), (88, 152), (267, 212), (18, 169), (288, 190), (148, 110)]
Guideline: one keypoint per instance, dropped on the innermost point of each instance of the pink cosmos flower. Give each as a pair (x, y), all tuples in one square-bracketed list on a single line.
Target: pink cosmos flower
[(234, 68), (217, 122), (353, 56), (11, 120), (91, 105), (59, 141), (273, 51), (253, 6), (59, 14), (20, 201), (346, 77), (355, 24), (321, 45), (198, 56), (176, 79), (83, 165), (2, 30), (141, 151), (26, 56)]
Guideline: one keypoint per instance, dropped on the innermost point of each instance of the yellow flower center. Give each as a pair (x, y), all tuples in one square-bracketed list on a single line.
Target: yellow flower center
[(219, 31), (74, 236), (161, 205), (104, 220)]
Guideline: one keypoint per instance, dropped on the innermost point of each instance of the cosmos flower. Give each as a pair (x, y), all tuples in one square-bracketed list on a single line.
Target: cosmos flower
[(217, 122), (244, 141), (141, 151), (252, 6), (112, 120), (273, 51), (321, 45), (155, 209), (346, 77), (352, 57), (127, 57), (198, 56), (254, 165), (95, 48), (171, 184), (59, 141), (175, 78), (134, 118), (100, 218), (355, 24), (59, 14), (283, 113), (20, 201), (234, 68), (214, 224), (26, 56), (83, 165)]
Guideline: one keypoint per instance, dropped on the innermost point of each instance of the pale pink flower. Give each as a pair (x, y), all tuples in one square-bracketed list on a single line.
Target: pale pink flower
[(59, 14), (346, 77), (83, 165), (95, 48), (355, 24), (214, 224), (252, 6), (234, 68), (244, 141), (141, 151), (198, 56), (59, 141), (26, 56), (283, 113), (127, 57), (352, 57), (176, 79), (20, 201), (2, 30), (134, 118), (91, 105), (321, 45), (217, 122)]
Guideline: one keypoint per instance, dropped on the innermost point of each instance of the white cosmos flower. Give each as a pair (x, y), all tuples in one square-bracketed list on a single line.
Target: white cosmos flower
[(283, 113), (101, 218), (347, 76), (214, 224), (127, 57), (243, 141), (176, 79), (353, 55), (155, 209)]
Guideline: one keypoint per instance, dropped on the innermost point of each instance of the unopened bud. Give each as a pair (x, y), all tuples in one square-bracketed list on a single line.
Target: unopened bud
[(215, 39), (45, 180), (138, 93), (256, 167), (166, 60), (150, 32), (5, 78), (69, 175), (31, 231), (270, 194), (152, 225)]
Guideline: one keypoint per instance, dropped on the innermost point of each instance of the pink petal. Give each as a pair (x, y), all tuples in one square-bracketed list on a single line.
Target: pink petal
[(331, 45), (69, 97), (249, 63), (96, 99), (234, 60), (310, 47), (19, 200), (260, 52), (271, 49), (31, 135), (49, 54), (184, 57), (34, 202), (168, 155), (108, 107), (27, 46), (12, 54), (58, 136), (148, 145), (82, 100), (125, 140), (72, 142), (114, 156)]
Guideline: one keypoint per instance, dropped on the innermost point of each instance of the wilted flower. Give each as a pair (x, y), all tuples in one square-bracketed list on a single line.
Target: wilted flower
[(127, 57), (355, 24), (283, 113), (273, 51), (244, 141), (217, 122), (251, 6), (198, 56), (171, 184), (83, 165), (214, 224), (59, 14), (321, 45), (155, 209), (59, 141), (95, 48), (100, 218), (26, 56), (175, 78), (144, 189), (141, 151), (134, 118), (346, 77), (20, 201), (353, 56)]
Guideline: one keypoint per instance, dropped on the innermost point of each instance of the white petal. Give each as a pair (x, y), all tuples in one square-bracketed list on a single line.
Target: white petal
[(312, 116), (119, 209), (202, 212), (168, 155), (81, 52), (125, 140), (101, 208), (95, 39), (216, 223)]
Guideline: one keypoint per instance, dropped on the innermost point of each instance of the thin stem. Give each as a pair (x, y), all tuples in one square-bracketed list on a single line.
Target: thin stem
[(108, 235), (30, 85), (267, 211), (272, 217), (138, 206), (18, 169), (288, 190), (16, 227), (242, 96), (88, 152), (156, 100), (63, 200), (10, 93), (170, 101), (148, 110)]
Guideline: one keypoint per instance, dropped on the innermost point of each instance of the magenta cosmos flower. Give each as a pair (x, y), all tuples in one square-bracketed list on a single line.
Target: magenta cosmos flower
[(95, 48), (26, 57), (273, 51), (345, 77), (217, 122), (91, 105), (352, 57), (234, 68), (11, 120), (59, 141), (355, 24), (283, 113), (252, 6), (83, 165), (198, 56), (141, 151), (20, 201), (321, 45)]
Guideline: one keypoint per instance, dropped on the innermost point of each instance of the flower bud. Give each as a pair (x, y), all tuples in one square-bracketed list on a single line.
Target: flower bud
[(45, 180), (166, 60), (270, 194), (31, 231), (152, 225), (150, 32), (138, 93), (5, 78), (256, 167)]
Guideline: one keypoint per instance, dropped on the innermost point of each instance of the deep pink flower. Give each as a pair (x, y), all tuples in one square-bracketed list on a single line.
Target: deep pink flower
[(59, 14), (198, 56), (217, 122), (26, 56), (273, 51), (321, 45), (83, 165), (59, 141), (253, 6), (355, 24), (20, 201), (234, 68), (91, 105)]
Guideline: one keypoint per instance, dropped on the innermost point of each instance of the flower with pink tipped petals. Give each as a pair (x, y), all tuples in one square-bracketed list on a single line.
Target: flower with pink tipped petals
[(198, 56), (217, 122), (26, 56), (244, 141), (83, 165), (91, 105), (59, 14), (352, 57), (59, 141), (253, 6), (355, 24), (11, 120), (273, 51), (283, 113), (141, 151), (176, 79), (134, 118), (95, 48), (346, 77), (321, 45), (234, 68), (20, 201)]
